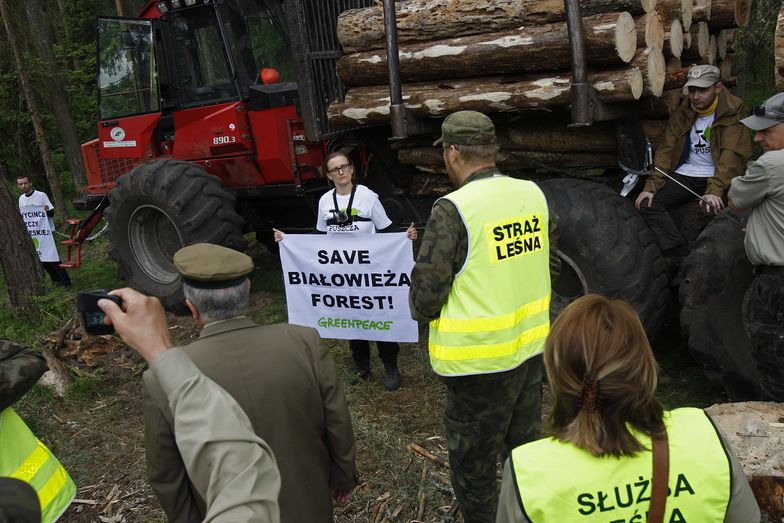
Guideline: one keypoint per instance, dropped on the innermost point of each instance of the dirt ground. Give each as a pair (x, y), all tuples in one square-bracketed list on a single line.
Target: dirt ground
[(97, 430)]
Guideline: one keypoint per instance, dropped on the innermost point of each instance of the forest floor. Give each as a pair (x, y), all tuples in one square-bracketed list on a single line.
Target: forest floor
[(97, 429)]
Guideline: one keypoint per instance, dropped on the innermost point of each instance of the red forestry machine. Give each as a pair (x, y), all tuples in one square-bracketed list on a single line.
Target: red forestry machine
[(195, 144)]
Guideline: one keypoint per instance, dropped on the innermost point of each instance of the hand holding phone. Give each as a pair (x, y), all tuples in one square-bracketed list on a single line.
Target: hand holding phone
[(91, 315)]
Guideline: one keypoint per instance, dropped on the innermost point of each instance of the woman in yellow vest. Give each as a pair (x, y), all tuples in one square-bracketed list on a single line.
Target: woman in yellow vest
[(597, 464)]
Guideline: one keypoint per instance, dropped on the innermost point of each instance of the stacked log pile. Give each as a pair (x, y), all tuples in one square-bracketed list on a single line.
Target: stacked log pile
[(511, 59)]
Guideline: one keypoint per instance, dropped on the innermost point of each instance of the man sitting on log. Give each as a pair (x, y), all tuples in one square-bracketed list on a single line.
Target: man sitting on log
[(703, 148)]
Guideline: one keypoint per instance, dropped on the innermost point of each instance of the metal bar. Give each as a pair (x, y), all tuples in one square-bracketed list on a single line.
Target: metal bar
[(581, 91), (397, 112), (702, 198)]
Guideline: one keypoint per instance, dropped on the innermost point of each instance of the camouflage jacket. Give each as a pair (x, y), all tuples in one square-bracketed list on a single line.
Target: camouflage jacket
[(20, 368), (443, 252)]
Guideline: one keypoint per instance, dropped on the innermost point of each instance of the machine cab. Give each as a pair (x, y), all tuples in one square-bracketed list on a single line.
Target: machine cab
[(181, 82)]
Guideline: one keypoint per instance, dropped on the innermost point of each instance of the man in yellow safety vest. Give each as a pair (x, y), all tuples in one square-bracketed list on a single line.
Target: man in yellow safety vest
[(482, 281)]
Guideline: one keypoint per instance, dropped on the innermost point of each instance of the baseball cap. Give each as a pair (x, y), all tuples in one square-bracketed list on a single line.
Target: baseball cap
[(702, 76), (467, 128), (766, 115)]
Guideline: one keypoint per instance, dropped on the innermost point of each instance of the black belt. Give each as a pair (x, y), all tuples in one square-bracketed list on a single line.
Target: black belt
[(769, 269)]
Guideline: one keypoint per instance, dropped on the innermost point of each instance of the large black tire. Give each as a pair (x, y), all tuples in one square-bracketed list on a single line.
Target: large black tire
[(605, 248), (156, 209), (715, 276)]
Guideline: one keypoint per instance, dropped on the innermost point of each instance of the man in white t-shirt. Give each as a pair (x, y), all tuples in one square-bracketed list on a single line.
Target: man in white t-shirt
[(31, 197), (703, 147)]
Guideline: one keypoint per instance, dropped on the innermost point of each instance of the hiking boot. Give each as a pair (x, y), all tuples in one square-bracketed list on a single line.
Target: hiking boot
[(391, 377)]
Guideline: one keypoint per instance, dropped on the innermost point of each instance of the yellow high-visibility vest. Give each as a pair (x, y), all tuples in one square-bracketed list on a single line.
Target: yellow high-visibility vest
[(23, 456), (558, 481), (497, 314)]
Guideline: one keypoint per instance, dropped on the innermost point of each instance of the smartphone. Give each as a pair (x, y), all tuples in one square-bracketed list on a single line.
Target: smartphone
[(92, 316)]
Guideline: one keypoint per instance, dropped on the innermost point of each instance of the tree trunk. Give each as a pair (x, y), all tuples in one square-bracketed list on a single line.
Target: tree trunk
[(35, 115), (58, 99), (701, 11), (427, 20), (700, 43), (651, 64), (432, 159), (544, 92), (726, 14), (490, 95), (555, 136), (18, 259), (676, 9), (721, 44), (609, 39), (120, 7), (778, 40), (725, 69), (712, 50), (674, 39), (651, 107), (650, 30), (676, 79)]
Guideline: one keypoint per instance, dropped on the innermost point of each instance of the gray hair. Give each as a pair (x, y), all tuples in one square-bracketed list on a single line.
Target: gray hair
[(219, 304)]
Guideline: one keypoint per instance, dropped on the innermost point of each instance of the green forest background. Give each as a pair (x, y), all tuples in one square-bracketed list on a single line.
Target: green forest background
[(70, 25)]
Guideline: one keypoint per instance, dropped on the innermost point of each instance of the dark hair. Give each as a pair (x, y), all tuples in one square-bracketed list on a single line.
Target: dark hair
[(335, 154), (603, 376)]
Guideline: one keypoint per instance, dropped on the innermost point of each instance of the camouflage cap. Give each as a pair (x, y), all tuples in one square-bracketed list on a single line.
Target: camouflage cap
[(211, 266), (766, 115), (703, 76), (467, 128)]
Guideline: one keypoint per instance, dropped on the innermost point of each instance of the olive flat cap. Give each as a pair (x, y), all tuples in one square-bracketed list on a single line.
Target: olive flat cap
[(212, 266)]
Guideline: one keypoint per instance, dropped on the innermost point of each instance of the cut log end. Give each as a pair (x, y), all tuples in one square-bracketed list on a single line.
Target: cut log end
[(712, 50), (625, 36), (648, 5), (675, 39), (687, 7), (656, 71), (742, 12), (636, 83)]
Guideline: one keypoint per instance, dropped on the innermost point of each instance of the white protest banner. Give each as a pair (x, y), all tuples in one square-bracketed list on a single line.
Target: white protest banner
[(350, 286), (37, 224)]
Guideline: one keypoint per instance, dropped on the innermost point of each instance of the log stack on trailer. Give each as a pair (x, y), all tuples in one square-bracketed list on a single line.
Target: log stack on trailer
[(511, 58)]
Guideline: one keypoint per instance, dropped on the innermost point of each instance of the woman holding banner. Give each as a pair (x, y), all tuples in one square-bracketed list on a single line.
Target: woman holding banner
[(353, 208)]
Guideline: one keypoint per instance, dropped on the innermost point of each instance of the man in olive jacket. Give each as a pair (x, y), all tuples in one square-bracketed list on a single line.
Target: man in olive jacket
[(703, 147), (282, 378)]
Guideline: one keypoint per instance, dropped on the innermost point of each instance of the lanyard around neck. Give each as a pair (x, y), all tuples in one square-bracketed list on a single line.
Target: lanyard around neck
[(350, 200)]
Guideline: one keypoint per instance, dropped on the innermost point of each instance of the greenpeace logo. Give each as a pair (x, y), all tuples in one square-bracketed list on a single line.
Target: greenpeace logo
[(348, 323)]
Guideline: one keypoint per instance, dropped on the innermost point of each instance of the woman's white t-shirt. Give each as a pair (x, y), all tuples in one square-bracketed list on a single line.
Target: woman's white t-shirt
[(368, 214)]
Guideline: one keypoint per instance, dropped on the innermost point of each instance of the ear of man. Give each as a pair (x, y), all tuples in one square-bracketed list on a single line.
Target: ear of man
[(194, 311)]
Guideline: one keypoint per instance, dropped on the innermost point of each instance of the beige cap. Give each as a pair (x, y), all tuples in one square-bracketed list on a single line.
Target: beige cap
[(703, 76), (212, 266)]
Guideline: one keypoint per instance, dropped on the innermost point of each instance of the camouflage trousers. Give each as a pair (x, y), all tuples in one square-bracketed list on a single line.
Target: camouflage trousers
[(486, 416), (763, 318)]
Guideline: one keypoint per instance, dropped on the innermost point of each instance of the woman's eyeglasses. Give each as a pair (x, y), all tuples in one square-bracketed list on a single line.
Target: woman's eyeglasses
[(340, 168)]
